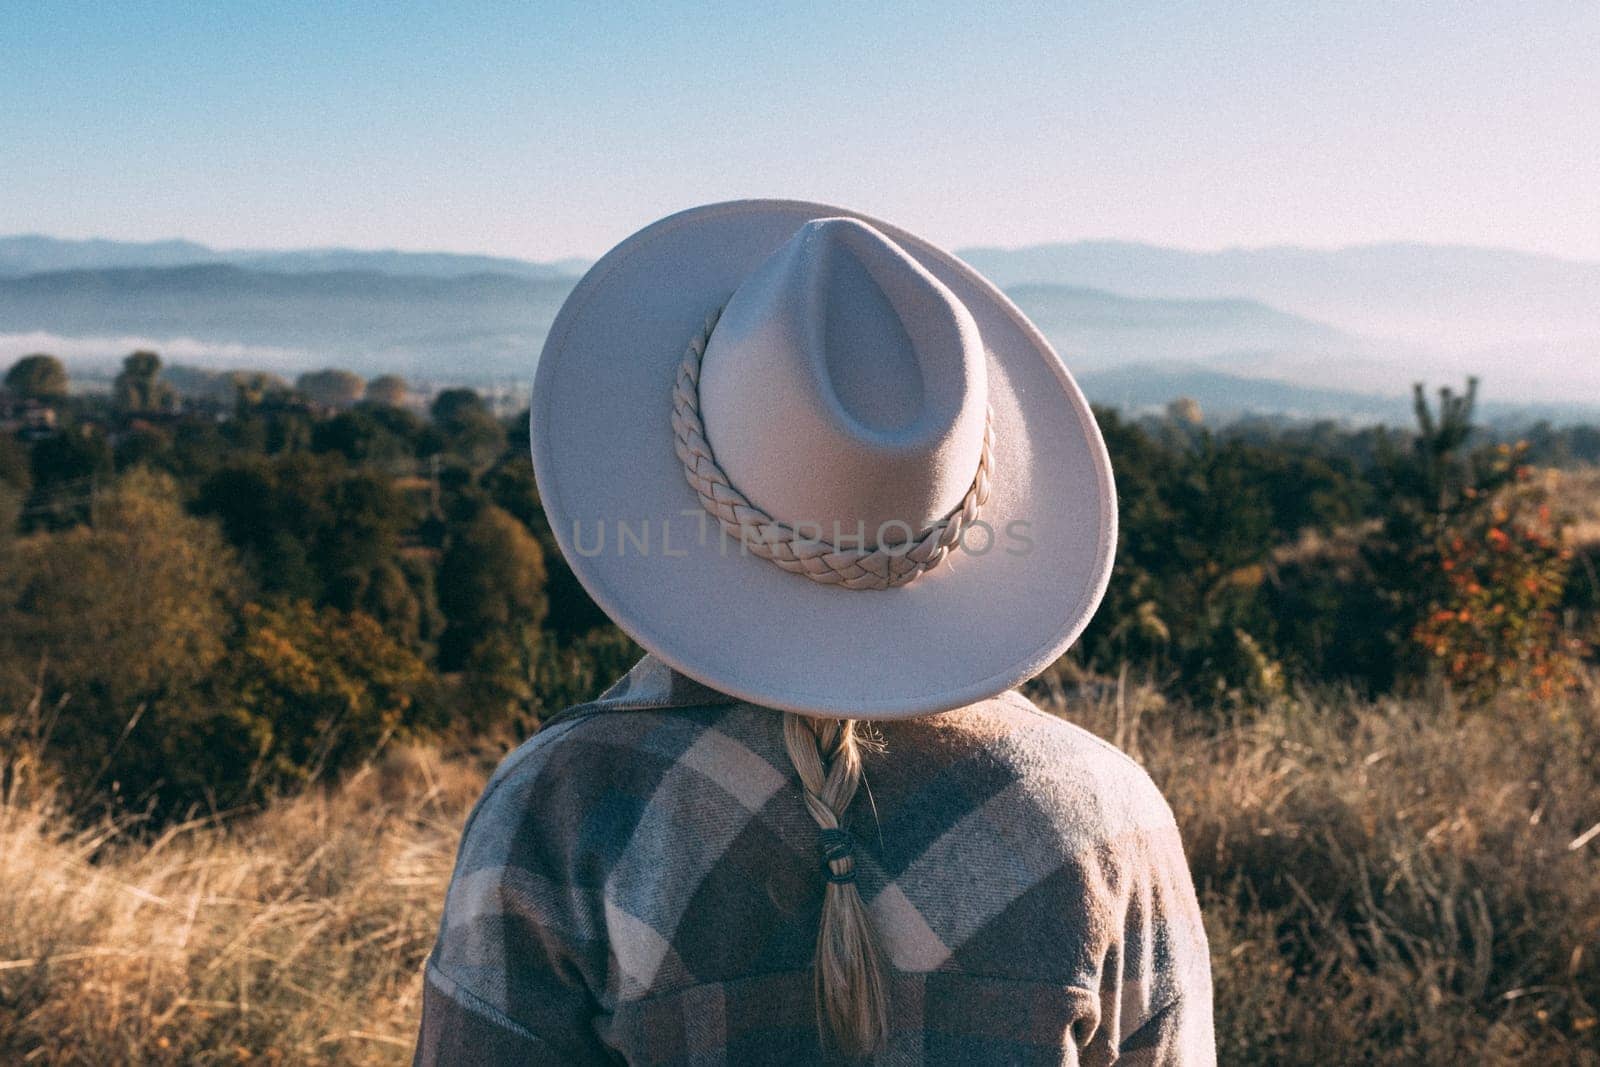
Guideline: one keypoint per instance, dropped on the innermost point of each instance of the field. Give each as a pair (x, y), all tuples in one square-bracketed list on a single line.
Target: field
[(1360, 662), (1396, 882)]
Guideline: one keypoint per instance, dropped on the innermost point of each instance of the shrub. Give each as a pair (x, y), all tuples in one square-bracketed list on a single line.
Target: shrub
[(1495, 629), (117, 624), (303, 693)]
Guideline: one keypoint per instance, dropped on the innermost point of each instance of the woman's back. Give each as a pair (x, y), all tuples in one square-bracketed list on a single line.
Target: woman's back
[(641, 882)]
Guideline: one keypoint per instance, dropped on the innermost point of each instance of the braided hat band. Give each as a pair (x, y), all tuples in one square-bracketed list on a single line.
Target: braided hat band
[(817, 559)]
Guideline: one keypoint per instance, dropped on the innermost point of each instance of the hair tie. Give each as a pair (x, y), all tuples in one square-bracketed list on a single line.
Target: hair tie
[(837, 845)]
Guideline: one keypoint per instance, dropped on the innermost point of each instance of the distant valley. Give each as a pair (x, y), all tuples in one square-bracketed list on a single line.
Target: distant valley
[(474, 328), (1275, 331)]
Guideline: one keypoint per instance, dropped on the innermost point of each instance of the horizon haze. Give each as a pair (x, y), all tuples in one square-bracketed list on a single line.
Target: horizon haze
[(1278, 331)]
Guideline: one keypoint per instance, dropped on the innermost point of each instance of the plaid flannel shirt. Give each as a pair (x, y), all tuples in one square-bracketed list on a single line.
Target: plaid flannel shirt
[(645, 888)]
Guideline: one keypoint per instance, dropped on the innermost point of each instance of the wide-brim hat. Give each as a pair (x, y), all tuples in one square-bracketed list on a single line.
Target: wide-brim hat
[(689, 464)]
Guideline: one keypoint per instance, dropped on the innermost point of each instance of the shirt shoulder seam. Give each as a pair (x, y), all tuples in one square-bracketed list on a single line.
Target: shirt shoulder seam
[(509, 768), (1023, 702)]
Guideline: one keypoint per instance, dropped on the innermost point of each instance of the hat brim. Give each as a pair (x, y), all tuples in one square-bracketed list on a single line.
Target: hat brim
[(987, 618)]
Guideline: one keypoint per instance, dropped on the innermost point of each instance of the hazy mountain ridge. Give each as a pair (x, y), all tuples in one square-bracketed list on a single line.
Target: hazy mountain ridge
[(1148, 386), (1139, 386), (1093, 328), (1446, 294), (471, 327), (493, 324), (1528, 325), (225, 278), (35, 254), (1151, 318)]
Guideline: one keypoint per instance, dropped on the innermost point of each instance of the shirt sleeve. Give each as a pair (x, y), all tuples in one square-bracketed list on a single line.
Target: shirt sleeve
[(521, 952), (459, 1028), (1162, 985), (1178, 1035)]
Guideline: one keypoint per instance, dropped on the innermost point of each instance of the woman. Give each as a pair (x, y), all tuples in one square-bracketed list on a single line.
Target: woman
[(824, 473)]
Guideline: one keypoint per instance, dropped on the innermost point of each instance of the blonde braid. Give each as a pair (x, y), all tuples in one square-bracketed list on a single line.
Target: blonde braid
[(849, 974)]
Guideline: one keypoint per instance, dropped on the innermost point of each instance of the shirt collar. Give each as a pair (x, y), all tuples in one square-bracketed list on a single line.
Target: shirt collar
[(650, 684)]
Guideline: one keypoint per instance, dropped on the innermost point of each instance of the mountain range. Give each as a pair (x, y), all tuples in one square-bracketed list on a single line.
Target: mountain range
[(37, 254), (1435, 294), (469, 327), (1265, 330)]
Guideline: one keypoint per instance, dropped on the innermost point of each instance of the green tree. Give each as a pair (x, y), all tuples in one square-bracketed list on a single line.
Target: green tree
[(10, 515), (1429, 488), (313, 529), (123, 621), (67, 469), (388, 390), (1186, 411), (132, 606), (248, 389), (272, 510), (38, 377), (331, 387), (400, 594), (360, 539), (469, 429), (271, 429), (491, 580), (143, 446), (491, 590), (14, 465), (139, 388), (510, 484), (199, 447), (1195, 532), (361, 437)]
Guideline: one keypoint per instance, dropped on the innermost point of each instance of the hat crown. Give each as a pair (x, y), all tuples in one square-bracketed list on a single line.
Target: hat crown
[(844, 387)]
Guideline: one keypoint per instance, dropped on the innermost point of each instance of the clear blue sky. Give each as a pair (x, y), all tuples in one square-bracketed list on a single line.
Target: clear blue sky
[(544, 130)]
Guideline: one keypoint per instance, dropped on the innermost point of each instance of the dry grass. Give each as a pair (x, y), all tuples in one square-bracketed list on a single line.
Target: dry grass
[(294, 936), (1397, 882), (1389, 882)]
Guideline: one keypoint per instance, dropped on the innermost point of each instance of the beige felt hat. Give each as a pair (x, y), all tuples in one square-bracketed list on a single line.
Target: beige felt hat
[(817, 463)]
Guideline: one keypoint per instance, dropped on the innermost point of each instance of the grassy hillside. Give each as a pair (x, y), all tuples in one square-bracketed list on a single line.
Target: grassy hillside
[(288, 611), (1383, 882)]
